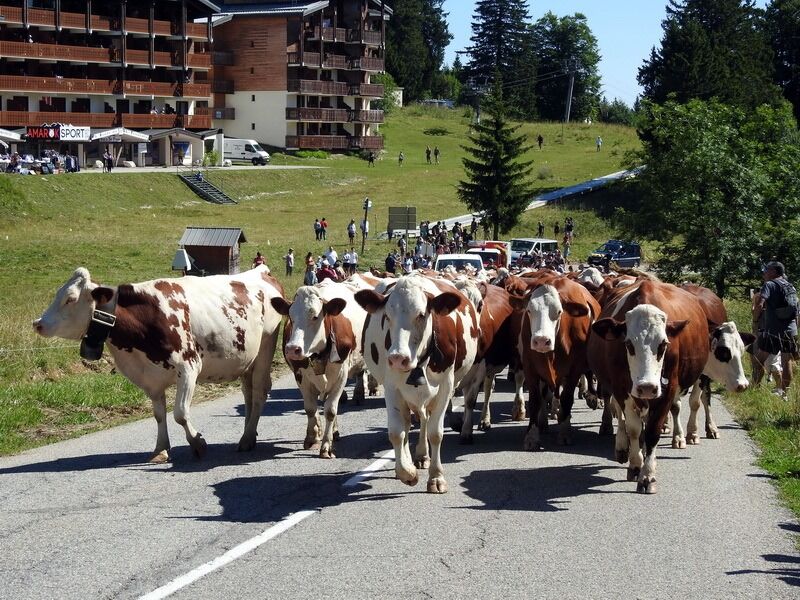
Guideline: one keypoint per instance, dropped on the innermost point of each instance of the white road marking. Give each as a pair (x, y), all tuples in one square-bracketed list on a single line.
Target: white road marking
[(248, 546)]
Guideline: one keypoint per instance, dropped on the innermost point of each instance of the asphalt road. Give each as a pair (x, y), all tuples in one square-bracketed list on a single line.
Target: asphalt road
[(86, 518)]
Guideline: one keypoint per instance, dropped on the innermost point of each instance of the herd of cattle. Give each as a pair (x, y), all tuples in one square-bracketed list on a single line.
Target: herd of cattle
[(422, 337)]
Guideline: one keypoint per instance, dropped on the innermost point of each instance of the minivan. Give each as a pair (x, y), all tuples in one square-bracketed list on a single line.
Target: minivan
[(248, 150), (520, 246)]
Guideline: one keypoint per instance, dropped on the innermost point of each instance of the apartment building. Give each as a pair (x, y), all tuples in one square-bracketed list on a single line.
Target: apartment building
[(131, 73), (297, 74)]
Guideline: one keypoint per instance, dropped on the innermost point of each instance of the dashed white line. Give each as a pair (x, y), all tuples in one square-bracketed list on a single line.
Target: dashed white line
[(248, 546)]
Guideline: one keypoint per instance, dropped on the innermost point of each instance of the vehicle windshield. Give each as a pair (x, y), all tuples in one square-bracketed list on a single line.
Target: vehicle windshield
[(459, 263), (488, 256), (257, 148), (521, 245), (609, 247)]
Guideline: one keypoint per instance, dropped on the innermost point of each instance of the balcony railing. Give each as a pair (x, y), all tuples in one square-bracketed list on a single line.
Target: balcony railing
[(365, 63), (63, 85), (324, 115), (148, 121), (318, 142), (366, 116), (223, 59), (372, 38), (328, 32), (373, 90), (310, 59), (367, 142), (9, 118), (198, 61), (322, 88), (219, 113), (222, 86), (58, 52)]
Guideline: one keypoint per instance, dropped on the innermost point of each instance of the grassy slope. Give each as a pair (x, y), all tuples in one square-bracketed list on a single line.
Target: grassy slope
[(125, 227)]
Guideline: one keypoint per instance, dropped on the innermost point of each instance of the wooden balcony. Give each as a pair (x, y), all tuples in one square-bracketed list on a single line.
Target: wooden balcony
[(362, 36), (218, 113), (322, 115), (366, 116), (335, 61), (198, 61), (318, 142), (222, 86), (222, 59), (328, 34), (166, 121), (371, 90), (62, 85), (367, 142), (309, 59), (318, 88), (365, 63), (10, 118), (58, 52)]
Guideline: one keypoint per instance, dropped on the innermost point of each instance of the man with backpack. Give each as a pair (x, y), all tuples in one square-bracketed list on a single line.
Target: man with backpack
[(779, 304)]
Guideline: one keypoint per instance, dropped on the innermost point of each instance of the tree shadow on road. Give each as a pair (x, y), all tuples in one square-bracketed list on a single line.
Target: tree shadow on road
[(787, 568)]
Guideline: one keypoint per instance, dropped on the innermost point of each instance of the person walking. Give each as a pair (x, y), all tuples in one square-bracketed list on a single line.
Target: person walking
[(258, 261), (364, 229), (779, 303), (567, 245), (436, 154), (353, 261), (428, 154), (324, 224), (390, 263), (351, 231), (317, 229), (371, 159), (540, 230), (540, 140), (289, 258), (400, 158), (310, 277), (599, 143), (556, 229)]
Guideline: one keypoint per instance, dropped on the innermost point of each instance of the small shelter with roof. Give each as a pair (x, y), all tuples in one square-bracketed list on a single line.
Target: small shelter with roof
[(213, 250)]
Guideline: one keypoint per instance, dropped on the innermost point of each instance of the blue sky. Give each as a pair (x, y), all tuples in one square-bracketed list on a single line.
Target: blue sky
[(626, 31)]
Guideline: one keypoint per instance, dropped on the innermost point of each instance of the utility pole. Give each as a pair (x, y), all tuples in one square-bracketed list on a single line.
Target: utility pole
[(571, 66)]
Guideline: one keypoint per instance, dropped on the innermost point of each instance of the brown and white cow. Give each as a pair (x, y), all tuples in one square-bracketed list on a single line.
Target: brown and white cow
[(558, 314), (178, 331), (322, 345), (420, 339), (650, 343)]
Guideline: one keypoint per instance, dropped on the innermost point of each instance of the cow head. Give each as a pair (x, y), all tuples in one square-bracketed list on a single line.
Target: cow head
[(407, 311), (646, 334), (725, 359), (70, 312), (307, 313), (545, 307)]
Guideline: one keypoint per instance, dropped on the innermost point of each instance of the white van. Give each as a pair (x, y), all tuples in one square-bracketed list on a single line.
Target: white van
[(248, 150), (458, 261), (520, 246)]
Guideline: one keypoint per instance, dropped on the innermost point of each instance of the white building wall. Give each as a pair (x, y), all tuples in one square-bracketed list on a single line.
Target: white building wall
[(262, 119)]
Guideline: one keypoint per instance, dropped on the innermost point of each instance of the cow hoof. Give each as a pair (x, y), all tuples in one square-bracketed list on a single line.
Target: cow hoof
[(666, 430), (199, 446), (621, 456), (456, 422), (591, 401), (646, 486), (326, 453), (712, 434), (465, 440), (633, 473), (693, 439), (358, 398), (336, 435), (484, 426), (311, 442), (422, 463), (246, 444), (437, 486), (531, 444), (678, 443), (518, 414), (373, 391), (564, 439), (606, 429), (411, 482), (159, 458)]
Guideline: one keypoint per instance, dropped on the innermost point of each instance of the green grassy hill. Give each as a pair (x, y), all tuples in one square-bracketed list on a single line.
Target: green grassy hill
[(126, 227)]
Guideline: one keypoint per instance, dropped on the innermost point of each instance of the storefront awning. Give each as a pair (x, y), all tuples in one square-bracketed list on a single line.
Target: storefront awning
[(9, 136), (176, 133), (121, 134)]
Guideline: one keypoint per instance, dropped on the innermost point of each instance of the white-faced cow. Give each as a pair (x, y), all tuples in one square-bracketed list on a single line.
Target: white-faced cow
[(177, 331), (419, 341), (322, 345), (650, 343)]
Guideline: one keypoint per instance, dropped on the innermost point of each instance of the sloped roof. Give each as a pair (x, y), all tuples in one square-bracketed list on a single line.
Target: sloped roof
[(224, 237), (287, 7)]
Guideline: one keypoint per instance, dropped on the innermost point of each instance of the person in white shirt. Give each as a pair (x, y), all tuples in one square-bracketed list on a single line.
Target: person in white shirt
[(353, 260), (347, 262), (332, 255)]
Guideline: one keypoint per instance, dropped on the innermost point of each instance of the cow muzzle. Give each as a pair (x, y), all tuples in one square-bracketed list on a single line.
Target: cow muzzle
[(38, 327), (646, 391), (542, 343), (293, 352), (399, 362)]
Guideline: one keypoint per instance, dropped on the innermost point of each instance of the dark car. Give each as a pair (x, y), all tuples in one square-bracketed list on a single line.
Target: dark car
[(625, 254)]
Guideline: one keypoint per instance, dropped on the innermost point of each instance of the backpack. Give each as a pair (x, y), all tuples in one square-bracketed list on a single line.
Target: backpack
[(788, 312)]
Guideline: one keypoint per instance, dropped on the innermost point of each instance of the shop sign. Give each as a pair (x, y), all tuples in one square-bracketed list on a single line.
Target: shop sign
[(70, 133), (43, 132)]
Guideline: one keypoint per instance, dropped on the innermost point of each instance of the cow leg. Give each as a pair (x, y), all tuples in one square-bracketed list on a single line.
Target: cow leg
[(590, 395), (565, 411), (421, 456), (554, 403), (399, 422), (518, 412), (692, 437), (161, 453), (311, 397), (621, 443), (486, 411), (712, 432), (538, 416), (436, 480), (633, 429), (187, 378), (332, 408), (471, 385), (655, 419), (359, 391), (609, 412), (372, 385), (261, 383), (678, 441)]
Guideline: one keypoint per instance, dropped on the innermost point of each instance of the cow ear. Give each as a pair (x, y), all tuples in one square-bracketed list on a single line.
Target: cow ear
[(444, 303), (281, 305), (748, 339), (102, 295), (483, 288), (576, 309), (518, 302), (675, 327), (334, 307), (370, 300), (610, 329)]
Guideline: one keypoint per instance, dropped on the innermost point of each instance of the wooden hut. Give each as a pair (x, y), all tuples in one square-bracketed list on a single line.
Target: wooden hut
[(214, 250)]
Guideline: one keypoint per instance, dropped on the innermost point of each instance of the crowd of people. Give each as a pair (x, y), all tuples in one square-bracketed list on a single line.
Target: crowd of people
[(50, 162)]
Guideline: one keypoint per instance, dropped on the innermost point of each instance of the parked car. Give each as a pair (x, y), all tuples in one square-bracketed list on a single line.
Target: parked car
[(625, 254), (459, 261), (520, 246)]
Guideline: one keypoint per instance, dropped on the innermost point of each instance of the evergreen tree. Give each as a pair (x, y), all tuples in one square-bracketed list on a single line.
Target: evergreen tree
[(711, 48), (783, 28), (437, 37), (496, 183), (557, 40), (501, 42)]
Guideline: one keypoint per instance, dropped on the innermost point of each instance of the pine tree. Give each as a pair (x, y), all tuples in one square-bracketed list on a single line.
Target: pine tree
[(783, 29), (497, 184), (711, 48)]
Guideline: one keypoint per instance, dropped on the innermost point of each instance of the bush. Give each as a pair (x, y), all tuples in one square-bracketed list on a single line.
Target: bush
[(437, 131), (210, 158), (311, 154), (389, 101), (545, 172)]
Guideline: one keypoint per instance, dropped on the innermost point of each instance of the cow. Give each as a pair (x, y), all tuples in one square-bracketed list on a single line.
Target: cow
[(558, 314), (650, 342), (322, 339), (177, 331), (420, 340)]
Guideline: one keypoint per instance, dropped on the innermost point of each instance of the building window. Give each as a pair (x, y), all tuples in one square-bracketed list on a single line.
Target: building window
[(252, 44), (252, 70), (253, 126), (253, 98)]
